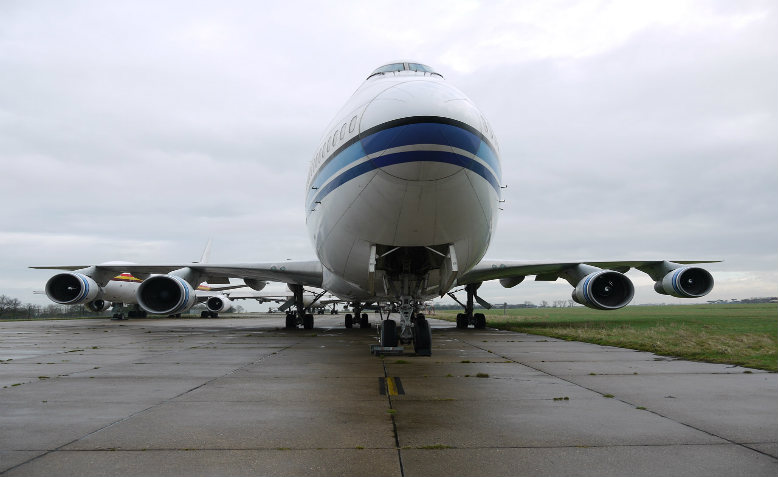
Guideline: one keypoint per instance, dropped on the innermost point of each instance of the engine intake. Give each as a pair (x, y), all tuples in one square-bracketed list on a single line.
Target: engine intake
[(685, 282), (98, 305), (218, 303), (604, 290), (72, 289), (166, 295)]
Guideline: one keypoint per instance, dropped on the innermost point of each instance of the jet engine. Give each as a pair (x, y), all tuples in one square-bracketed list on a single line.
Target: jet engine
[(98, 305), (604, 290), (685, 282), (72, 289), (510, 282), (166, 295), (218, 303)]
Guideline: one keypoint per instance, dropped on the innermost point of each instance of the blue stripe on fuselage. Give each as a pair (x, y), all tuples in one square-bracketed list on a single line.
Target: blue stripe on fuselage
[(406, 135)]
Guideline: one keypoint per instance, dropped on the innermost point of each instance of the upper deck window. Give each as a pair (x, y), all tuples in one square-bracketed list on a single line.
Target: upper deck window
[(396, 67)]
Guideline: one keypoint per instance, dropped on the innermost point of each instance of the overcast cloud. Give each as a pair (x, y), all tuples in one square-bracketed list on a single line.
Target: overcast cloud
[(628, 130)]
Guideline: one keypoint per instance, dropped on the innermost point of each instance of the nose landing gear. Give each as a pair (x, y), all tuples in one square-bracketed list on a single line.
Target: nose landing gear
[(413, 328)]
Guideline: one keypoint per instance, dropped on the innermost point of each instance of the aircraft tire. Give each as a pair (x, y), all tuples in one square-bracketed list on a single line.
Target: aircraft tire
[(461, 321), (308, 321), (480, 321), (205, 314), (290, 321), (388, 334), (364, 321), (422, 337), (349, 320)]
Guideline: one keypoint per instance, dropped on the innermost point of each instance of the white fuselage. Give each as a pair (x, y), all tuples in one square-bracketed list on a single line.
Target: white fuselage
[(408, 162)]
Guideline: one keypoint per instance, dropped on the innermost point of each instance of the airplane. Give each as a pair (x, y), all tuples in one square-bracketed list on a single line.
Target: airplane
[(120, 294), (312, 300), (402, 198)]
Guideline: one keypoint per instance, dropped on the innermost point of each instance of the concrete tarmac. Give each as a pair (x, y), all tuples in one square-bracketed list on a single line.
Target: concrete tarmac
[(243, 396)]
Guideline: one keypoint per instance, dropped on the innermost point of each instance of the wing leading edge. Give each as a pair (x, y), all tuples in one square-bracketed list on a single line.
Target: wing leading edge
[(306, 273), (551, 271)]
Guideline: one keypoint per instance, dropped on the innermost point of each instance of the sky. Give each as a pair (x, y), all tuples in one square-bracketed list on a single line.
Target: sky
[(627, 130)]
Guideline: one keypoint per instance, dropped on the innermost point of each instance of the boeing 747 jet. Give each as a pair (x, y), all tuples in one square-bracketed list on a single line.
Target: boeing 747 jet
[(401, 203)]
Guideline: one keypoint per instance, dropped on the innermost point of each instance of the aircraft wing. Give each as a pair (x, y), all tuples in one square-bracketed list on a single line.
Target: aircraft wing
[(550, 271), (257, 295), (307, 273)]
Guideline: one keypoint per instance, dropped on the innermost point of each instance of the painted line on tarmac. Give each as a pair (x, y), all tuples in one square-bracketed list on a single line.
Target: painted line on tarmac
[(391, 386)]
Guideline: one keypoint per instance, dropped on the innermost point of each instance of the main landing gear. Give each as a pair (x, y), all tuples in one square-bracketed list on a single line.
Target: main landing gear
[(300, 315), (478, 320), (358, 317), (414, 328), (133, 311)]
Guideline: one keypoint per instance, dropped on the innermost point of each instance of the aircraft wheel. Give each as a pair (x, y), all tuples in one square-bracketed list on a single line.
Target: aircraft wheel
[(461, 321), (364, 322), (205, 314), (422, 337), (308, 321), (290, 321), (388, 333), (214, 314), (349, 320), (480, 321)]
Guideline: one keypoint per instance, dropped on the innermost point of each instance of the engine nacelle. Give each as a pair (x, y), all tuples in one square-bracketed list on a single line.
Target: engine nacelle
[(604, 290), (255, 284), (218, 303), (166, 295), (685, 282), (511, 281), (72, 288), (98, 305)]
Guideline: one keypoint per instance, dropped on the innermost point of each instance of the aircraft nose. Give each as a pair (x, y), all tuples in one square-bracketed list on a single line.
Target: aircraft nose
[(421, 130)]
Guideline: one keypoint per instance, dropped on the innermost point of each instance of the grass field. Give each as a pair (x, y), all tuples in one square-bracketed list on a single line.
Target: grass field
[(745, 335)]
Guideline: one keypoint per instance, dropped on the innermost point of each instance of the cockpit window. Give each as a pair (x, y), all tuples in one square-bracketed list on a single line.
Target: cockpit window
[(395, 67), (389, 68), (419, 67)]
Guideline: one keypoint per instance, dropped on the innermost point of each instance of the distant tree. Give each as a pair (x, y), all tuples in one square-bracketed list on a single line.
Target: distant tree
[(9, 306), (544, 304), (33, 311)]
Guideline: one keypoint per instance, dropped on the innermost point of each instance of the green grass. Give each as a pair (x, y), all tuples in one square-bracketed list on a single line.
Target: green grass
[(745, 335)]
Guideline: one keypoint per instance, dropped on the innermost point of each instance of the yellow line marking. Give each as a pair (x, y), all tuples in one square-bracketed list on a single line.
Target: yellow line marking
[(391, 387)]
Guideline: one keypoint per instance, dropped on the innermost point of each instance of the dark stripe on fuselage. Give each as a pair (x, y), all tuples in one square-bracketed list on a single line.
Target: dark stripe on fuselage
[(402, 122), (407, 132)]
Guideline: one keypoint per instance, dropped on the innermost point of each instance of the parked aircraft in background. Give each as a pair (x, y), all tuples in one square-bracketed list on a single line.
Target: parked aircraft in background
[(401, 204)]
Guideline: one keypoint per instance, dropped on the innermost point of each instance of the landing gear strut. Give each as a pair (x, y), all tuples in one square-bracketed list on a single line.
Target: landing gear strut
[(299, 316), (133, 311), (414, 328), (358, 317), (478, 320)]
